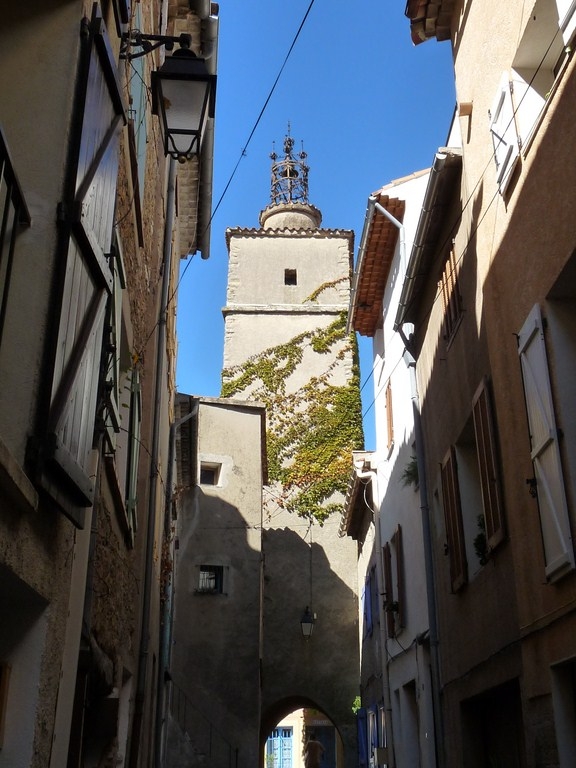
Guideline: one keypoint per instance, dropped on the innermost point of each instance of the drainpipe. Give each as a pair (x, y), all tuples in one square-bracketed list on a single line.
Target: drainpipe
[(154, 459), (428, 561), (372, 476), (166, 629)]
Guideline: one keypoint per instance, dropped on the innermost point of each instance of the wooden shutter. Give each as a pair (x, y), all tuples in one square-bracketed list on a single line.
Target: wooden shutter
[(566, 19), (488, 465), (400, 601), (113, 363), (88, 221), (389, 415), (389, 589), (368, 604), (504, 136), (454, 524), (133, 453), (554, 520)]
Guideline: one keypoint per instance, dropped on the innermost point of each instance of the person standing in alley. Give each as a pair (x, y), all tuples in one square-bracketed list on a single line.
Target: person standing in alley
[(313, 752)]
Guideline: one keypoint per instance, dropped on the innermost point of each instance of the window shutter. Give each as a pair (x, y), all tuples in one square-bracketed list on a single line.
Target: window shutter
[(389, 415), (134, 422), (361, 721), (112, 351), (368, 604), (453, 518), (567, 18), (504, 136), (389, 600), (397, 541), (88, 216), (488, 465), (554, 520)]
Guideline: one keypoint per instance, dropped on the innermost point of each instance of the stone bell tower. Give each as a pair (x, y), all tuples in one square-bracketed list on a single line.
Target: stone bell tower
[(286, 346), (285, 341)]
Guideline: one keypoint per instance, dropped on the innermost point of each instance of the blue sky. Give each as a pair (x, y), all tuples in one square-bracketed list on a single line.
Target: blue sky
[(369, 108)]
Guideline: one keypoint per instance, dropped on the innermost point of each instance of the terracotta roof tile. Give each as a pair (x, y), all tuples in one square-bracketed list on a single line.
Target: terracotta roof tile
[(429, 18), (379, 252)]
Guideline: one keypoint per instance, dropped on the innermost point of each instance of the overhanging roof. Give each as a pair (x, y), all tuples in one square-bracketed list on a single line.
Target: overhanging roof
[(444, 174), (429, 18), (377, 247), (359, 498)]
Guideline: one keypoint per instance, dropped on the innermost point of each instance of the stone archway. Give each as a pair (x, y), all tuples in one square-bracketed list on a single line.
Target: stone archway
[(321, 672), (315, 720)]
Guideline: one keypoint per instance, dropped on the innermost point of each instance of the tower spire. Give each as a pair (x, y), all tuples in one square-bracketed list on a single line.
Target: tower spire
[(289, 182), (289, 205)]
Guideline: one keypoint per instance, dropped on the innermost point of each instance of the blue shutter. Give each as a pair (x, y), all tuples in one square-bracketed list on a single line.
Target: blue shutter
[(361, 721)]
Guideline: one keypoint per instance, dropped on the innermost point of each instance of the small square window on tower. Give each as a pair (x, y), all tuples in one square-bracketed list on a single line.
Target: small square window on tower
[(290, 277), (209, 473), (211, 579)]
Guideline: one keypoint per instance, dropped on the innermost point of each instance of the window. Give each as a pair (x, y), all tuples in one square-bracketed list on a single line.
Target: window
[(394, 602), (369, 596), (290, 277), (545, 452), (279, 748), (211, 579), (116, 354), (120, 406), (133, 446), (389, 416), (373, 732), (523, 92), (13, 214), (471, 493), (503, 130), (451, 299), (209, 473)]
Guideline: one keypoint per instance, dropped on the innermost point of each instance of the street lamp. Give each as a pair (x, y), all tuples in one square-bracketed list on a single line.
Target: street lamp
[(183, 93), (307, 623)]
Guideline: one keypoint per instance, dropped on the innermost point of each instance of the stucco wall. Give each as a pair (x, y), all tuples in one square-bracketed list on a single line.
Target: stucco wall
[(216, 648)]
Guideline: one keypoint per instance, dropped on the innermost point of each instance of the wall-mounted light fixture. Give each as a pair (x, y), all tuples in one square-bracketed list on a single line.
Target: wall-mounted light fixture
[(183, 91), (307, 623)]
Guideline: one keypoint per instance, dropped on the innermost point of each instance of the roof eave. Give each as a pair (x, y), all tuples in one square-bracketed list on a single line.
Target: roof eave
[(377, 248), (444, 171)]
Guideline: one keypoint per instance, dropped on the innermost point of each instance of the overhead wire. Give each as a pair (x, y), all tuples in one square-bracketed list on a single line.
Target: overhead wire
[(468, 202), (443, 245), (448, 237), (244, 149)]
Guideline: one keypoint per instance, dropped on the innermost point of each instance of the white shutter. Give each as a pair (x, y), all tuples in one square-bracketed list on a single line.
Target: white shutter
[(566, 18), (554, 520), (504, 136)]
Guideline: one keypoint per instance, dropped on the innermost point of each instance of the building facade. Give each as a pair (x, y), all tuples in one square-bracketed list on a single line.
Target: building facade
[(214, 664), (89, 246), (383, 506), (489, 300)]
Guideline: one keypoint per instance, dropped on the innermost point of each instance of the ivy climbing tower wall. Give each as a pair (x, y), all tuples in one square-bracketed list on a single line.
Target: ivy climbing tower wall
[(286, 346)]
